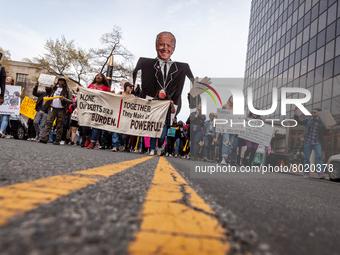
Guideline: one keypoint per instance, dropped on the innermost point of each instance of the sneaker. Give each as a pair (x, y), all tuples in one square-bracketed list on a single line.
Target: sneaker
[(167, 154), (223, 162), (71, 143), (91, 145), (170, 155), (135, 151), (159, 151), (87, 143), (56, 143), (184, 156), (322, 176), (205, 159), (121, 148), (2, 135), (152, 153), (114, 149), (43, 141), (176, 156), (306, 176), (188, 157), (62, 142)]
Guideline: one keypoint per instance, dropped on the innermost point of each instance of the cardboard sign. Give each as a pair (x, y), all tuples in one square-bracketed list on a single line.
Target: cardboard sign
[(327, 118), (261, 134), (121, 114), (46, 80), (230, 127), (12, 100), (27, 107)]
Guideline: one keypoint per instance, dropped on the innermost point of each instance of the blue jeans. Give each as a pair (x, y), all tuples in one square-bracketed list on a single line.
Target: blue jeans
[(226, 148), (207, 145), (179, 146), (4, 119), (233, 153), (196, 145), (118, 140), (91, 132), (263, 158), (160, 140), (318, 155)]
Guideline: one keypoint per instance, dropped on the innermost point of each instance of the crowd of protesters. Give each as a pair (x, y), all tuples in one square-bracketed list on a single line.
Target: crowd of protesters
[(56, 121)]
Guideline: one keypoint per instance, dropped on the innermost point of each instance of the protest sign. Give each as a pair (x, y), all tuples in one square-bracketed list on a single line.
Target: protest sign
[(260, 134), (46, 80), (327, 118), (121, 114), (27, 107), (74, 115), (229, 127), (12, 100)]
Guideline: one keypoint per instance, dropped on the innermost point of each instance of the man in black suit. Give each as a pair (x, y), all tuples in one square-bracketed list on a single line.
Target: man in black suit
[(162, 72)]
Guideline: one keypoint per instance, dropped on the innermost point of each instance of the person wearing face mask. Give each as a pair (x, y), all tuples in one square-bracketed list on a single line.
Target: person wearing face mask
[(41, 115), (161, 95)]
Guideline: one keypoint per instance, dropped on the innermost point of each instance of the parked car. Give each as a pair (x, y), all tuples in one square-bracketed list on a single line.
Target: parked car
[(335, 162), (17, 127)]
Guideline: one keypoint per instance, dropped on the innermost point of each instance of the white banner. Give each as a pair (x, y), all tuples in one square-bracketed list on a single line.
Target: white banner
[(121, 114), (258, 132), (229, 127), (12, 100), (46, 80)]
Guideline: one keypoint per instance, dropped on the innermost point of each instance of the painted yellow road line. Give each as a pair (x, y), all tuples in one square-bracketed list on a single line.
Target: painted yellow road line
[(19, 198), (175, 220)]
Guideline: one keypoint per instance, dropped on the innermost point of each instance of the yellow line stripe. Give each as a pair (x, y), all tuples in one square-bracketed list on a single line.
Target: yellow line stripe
[(19, 198), (172, 227)]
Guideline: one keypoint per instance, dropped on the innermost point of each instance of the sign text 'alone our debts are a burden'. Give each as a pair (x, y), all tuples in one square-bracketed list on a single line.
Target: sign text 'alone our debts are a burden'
[(121, 114)]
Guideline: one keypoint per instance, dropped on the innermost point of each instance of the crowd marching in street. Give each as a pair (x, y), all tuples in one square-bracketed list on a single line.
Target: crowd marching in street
[(56, 120)]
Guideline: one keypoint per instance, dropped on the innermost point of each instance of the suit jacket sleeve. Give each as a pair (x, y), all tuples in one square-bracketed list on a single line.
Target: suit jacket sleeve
[(135, 71)]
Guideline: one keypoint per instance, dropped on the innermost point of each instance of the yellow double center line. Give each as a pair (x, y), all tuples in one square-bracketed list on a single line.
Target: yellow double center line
[(19, 198), (175, 220)]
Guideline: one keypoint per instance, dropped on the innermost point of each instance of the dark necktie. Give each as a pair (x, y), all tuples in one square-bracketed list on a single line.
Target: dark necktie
[(164, 76)]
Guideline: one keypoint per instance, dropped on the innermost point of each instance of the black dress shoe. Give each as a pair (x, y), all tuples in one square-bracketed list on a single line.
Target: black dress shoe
[(56, 143), (43, 141)]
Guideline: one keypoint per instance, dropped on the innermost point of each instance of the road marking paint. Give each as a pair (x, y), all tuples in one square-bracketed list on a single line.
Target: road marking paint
[(175, 220), (19, 198)]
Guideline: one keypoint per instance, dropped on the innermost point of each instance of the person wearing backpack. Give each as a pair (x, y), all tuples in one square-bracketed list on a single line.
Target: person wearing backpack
[(313, 136)]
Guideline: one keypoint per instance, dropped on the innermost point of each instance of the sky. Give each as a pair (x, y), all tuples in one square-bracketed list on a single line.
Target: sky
[(211, 36)]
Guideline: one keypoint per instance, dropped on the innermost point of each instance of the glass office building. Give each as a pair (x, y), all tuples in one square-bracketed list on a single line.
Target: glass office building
[(296, 43)]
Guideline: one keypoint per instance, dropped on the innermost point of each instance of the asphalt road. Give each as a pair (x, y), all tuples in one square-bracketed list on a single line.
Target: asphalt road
[(275, 214)]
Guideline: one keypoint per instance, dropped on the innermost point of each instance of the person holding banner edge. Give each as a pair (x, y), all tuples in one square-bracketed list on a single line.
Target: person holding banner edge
[(99, 83)]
